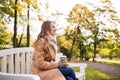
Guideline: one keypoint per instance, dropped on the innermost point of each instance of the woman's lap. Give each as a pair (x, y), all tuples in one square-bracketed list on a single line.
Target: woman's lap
[(68, 78), (68, 73)]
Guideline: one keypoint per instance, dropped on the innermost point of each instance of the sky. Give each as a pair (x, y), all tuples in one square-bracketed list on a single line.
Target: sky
[(64, 6)]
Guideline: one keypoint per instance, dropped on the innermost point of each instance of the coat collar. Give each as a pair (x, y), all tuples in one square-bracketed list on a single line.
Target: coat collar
[(54, 45)]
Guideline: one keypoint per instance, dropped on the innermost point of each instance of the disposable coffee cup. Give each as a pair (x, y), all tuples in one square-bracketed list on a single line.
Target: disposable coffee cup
[(63, 58)]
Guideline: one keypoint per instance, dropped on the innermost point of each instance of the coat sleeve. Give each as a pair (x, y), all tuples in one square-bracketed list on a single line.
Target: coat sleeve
[(39, 57)]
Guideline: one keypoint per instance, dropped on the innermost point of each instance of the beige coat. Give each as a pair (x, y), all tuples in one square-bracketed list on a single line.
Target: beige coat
[(44, 63)]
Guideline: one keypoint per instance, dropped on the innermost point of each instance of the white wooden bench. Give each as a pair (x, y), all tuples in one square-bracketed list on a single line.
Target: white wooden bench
[(15, 64)]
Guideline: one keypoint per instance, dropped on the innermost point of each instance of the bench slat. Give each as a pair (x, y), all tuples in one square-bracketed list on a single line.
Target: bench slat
[(17, 63), (22, 63), (4, 64), (28, 63), (11, 65)]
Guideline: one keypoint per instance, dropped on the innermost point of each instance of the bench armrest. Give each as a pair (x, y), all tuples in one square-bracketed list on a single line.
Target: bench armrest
[(81, 74), (82, 66), (11, 76)]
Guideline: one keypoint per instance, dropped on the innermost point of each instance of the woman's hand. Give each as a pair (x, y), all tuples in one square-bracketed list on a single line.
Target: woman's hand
[(62, 64)]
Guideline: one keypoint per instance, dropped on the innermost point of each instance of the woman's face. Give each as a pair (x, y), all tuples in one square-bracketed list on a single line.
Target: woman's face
[(53, 29)]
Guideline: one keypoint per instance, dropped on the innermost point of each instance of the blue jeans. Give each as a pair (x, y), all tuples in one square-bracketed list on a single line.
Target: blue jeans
[(68, 73)]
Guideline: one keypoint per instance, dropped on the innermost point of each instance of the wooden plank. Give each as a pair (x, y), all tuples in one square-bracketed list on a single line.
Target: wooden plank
[(4, 64), (15, 51), (17, 63), (11, 64), (22, 62), (28, 62)]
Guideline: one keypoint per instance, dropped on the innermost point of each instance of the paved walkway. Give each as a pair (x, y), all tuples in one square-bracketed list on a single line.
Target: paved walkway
[(110, 69)]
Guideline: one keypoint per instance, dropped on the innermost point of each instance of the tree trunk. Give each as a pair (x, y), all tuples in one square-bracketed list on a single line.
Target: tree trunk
[(81, 50), (71, 51), (20, 40), (95, 44), (28, 26), (15, 26), (94, 51)]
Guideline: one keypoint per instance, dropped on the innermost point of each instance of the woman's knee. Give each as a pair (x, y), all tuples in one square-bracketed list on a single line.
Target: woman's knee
[(70, 69), (69, 78)]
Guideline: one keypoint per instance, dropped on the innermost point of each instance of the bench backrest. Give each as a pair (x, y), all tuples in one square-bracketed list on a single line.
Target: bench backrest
[(16, 60)]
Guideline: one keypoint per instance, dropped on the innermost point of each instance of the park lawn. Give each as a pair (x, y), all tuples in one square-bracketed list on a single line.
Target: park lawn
[(111, 62), (94, 74)]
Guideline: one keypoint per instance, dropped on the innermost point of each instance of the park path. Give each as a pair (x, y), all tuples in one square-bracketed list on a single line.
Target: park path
[(110, 69)]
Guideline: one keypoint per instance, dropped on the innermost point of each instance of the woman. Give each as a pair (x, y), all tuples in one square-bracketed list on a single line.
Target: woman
[(44, 62)]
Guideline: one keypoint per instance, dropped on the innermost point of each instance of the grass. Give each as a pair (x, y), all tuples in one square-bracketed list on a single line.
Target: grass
[(94, 74), (114, 61), (111, 62)]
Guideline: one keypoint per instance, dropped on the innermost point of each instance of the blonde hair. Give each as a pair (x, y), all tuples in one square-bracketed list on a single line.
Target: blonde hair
[(44, 29)]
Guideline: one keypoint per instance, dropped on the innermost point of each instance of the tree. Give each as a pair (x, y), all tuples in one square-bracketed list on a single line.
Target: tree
[(81, 18), (64, 45), (106, 17), (6, 12), (4, 35)]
